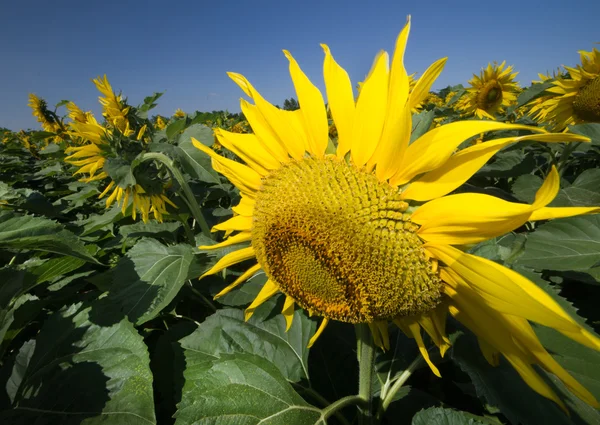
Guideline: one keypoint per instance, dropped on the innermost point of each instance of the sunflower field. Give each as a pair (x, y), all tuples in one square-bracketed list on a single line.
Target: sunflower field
[(377, 253)]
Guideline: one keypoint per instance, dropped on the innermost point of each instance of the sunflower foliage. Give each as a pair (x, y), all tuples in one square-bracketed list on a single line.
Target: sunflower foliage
[(103, 318)]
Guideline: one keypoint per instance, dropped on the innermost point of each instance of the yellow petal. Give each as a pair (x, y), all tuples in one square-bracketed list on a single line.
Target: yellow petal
[(481, 324), (473, 217), (238, 222), (435, 147), (231, 259), (340, 98), (548, 213), (370, 111), (462, 165), (397, 126), (245, 207), (243, 177), (276, 119), (500, 290), (288, 312), (415, 332), (245, 276), (434, 330), (490, 353), (249, 149), (264, 132), (312, 108), (424, 84), (240, 237), (269, 289), (319, 332)]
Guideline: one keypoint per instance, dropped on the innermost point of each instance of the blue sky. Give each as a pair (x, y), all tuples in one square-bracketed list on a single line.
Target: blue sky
[(184, 48)]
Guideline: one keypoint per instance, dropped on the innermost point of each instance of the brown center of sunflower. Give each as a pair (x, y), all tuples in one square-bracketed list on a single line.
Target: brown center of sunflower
[(490, 96), (341, 244), (587, 102)]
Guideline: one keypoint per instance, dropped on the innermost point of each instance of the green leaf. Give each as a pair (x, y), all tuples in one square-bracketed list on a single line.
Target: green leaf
[(226, 332), (237, 389), (502, 387), (97, 222), (56, 267), (146, 280), (590, 130), (174, 128), (200, 132), (40, 234), (196, 163), (119, 171), (153, 229), (80, 372), (584, 192), (420, 124), (244, 294), (14, 284), (442, 416), (531, 93), (525, 187), (565, 244)]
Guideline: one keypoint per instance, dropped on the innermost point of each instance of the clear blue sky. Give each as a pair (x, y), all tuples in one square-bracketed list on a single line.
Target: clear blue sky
[(55, 48)]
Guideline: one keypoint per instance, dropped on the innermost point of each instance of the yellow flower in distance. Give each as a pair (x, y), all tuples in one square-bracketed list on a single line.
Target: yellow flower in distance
[(179, 113), (575, 99), (160, 123), (114, 109), (368, 233), (490, 93), (39, 109)]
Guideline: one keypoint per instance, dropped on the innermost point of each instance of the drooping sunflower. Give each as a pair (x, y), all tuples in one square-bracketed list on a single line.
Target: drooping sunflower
[(366, 232), (49, 121), (490, 93), (114, 108), (97, 146), (575, 99)]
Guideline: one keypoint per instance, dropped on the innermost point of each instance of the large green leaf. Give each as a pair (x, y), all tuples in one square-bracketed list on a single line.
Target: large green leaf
[(442, 416), (226, 332), (584, 192), (591, 130), (80, 372), (120, 171), (196, 163), (146, 280), (240, 389), (566, 244), (41, 234)]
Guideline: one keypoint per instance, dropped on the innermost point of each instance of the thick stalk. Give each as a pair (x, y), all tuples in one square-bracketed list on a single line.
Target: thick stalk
[(366, 360), (188, 197)]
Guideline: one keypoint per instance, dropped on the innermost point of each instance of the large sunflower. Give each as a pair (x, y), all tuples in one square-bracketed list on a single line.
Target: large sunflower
[(575, 99), (490, 93), (366, 232)]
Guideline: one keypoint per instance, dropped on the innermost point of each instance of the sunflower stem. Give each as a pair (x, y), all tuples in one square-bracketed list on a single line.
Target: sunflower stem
[(366, 360), (188, 197), (389, 397), (336, 406), (188, 230)]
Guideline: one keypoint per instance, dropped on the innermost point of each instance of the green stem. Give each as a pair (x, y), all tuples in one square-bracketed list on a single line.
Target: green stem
[(366, 360), (335, 407), (566, 153), (189, 198), (187, 229), (399, 382), (202, 297)]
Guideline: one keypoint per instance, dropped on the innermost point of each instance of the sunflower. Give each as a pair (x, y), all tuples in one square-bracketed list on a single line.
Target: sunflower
[(49, 120), (179, 113), (574, 99), (490, 93), (77, 114), (91, 158), (114, 108), (366, 232), (160, 123)]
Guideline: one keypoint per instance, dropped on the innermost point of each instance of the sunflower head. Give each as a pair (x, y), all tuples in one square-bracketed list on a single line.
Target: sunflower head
[(179, 113), (366, 231), (48, 120), (574, 98), (491, 92), (114, 108)]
